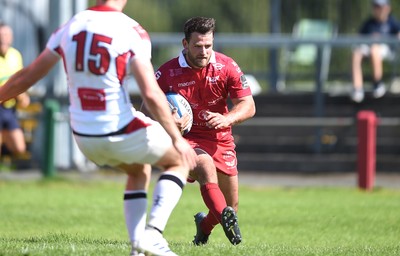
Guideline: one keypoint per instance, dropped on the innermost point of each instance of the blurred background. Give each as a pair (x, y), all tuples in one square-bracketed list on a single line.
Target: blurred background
[(305, 121)]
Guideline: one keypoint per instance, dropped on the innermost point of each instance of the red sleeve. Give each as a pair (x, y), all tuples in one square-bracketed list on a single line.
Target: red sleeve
[(238, 86), (162, 79)]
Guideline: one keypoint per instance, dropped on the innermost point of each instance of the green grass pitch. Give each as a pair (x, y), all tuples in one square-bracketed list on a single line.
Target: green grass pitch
[(75, 217)]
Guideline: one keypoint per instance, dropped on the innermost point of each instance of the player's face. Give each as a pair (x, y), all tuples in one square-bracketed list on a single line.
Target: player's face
[(6, 38), (199, 49)]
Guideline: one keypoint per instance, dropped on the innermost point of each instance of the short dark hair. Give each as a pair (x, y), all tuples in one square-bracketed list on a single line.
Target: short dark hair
[(200, 25)]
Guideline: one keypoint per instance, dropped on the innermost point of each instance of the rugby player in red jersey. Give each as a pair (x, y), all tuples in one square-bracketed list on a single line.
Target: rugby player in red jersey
[(207, 79)]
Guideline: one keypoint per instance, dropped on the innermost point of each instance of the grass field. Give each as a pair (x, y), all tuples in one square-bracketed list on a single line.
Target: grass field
[(65, 217)]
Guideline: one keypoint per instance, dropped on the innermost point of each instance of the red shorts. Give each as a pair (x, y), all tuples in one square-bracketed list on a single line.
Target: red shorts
[(223, 154)]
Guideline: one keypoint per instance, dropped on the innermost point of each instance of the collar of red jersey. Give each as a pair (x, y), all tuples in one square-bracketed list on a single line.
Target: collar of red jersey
[(183, 63), (102, 8)]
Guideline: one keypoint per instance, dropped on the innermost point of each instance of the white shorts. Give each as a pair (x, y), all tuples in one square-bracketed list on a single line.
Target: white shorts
[(385, 51), (144, 145)]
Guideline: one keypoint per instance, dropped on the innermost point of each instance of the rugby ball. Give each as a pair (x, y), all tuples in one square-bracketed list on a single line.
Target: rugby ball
[(178, 102)]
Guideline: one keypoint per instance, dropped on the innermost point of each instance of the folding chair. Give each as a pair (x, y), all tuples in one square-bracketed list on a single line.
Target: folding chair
[(306, 54)]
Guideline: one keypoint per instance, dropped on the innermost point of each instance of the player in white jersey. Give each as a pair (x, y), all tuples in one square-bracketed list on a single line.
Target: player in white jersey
[(100, 47)]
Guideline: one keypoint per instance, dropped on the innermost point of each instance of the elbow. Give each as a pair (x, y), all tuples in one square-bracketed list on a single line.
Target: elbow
[(253, 113)]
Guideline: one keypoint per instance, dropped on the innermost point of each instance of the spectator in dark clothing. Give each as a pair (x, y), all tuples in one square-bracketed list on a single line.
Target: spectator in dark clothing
[(381, 23)]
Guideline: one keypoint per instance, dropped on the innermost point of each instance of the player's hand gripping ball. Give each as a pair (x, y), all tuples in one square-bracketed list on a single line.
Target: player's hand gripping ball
[(182, 107)]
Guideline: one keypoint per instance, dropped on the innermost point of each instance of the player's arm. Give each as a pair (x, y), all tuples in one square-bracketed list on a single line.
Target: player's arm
[(181, 122), (28, 76), (156, 103), (243, 109), (154, 99)]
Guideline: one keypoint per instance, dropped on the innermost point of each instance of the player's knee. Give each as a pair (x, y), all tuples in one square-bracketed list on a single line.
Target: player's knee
[(206, 174)]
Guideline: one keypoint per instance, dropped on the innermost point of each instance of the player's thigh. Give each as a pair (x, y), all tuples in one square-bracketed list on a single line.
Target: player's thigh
[(14, 140), (229, 186), (205, 170)]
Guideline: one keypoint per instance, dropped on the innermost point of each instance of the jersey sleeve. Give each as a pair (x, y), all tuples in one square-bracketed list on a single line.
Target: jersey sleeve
[(162, 79), (141, 44), (54, 42), (238, 86)]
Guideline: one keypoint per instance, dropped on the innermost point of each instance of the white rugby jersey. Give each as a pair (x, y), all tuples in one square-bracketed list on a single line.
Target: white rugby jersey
[(96, 46)]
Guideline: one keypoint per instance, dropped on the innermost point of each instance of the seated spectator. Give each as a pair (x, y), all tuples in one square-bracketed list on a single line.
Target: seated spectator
[(380, 23), (11, 134)]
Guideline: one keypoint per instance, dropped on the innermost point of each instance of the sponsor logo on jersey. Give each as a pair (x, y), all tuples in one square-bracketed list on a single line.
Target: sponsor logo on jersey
[(175, 72), (178, 71), (245, 83), (230, 159), (203, 115), (203, 124), (194, 105), (185, 84), (214, 102), (158, 74), (218, 66), (212, 79)]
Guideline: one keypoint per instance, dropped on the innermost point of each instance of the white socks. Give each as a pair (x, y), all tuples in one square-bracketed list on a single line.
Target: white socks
[(135, 208), (167, 193)]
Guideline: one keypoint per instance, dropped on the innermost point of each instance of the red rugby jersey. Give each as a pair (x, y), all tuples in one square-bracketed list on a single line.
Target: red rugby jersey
[(206, 89)]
